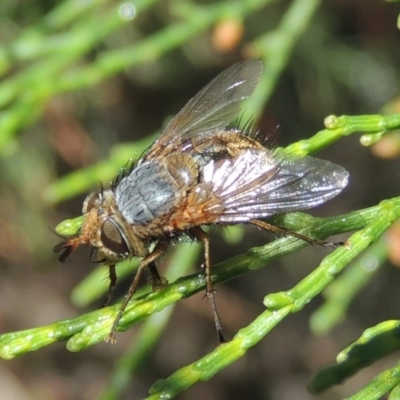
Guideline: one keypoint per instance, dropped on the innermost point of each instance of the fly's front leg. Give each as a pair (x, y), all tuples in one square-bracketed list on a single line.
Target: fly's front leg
[(113, 282), (157, 252), (202, 236)]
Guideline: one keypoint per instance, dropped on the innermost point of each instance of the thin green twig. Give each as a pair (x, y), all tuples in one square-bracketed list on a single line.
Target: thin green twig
[(374, 343), (342, 291), (279, 306), (94, 327)]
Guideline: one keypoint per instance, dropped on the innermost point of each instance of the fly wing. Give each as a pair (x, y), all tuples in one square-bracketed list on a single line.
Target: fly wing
[(211, 109), (254, 185)]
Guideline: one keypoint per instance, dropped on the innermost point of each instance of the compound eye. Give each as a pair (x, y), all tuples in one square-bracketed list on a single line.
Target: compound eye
[(113, 239)]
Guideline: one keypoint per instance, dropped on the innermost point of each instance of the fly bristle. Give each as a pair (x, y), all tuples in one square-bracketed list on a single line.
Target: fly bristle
[(123, 172)]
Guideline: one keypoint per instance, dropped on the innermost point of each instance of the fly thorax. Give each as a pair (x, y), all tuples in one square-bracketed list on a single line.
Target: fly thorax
[(143, 195)]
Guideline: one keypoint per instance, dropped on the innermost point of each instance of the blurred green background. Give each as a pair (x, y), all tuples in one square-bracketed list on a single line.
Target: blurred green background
[(81, 81)]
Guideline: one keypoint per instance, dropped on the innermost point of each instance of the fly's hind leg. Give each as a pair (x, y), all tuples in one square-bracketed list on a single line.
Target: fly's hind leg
[(287, 232), (202, 236)]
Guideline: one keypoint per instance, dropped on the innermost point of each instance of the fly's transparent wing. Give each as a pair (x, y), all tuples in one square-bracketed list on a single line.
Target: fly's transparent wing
[(254, 185), (213, 108)]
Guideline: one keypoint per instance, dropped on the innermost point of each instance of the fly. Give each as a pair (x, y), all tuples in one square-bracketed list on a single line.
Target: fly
[(198, 172)]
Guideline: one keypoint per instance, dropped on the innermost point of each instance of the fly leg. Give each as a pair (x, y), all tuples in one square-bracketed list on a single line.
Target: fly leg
[(285, 232), (156, 281), (202, 236), (113, 282), (147, 261)]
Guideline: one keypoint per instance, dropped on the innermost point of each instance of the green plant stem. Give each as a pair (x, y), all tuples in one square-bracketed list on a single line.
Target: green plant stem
[(340, 293), (224, 355), (380, 385), (94, 327), (375, 343), (279, 306)]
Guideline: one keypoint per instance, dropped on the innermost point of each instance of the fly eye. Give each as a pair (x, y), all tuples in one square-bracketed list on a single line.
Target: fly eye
[(112, 238), (91, 201)]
